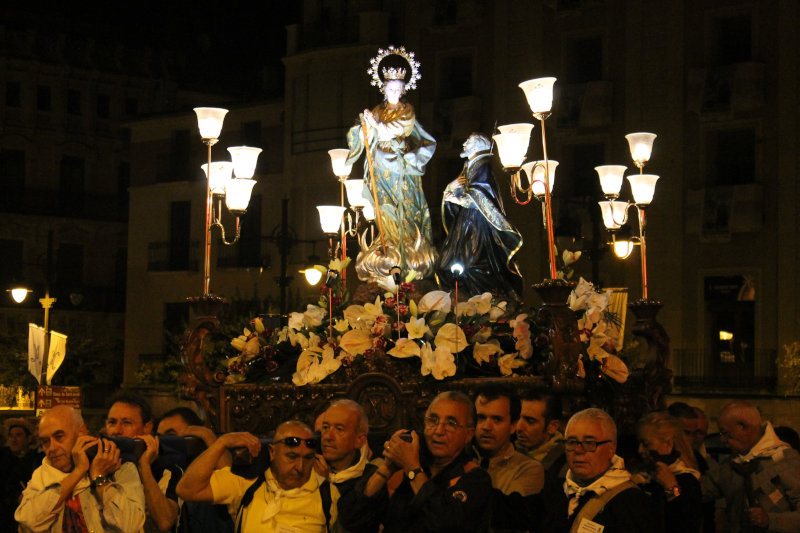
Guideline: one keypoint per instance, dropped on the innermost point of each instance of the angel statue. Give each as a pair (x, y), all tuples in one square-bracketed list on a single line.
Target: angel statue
[(479, 236), (397, 150)]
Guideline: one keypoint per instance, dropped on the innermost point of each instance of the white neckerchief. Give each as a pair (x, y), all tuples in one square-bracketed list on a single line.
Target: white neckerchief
[(352, 471), (274, 494), (679, 467), (615, 475), (768, 446)]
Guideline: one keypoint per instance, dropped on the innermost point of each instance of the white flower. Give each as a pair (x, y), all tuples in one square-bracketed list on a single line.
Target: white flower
[(296, 321), (451, 338), (372, 311), (404, 348), (483, 352), (417, 328), (356, 341), (508, 363), (579, 297), (615, 368), (497, 311), (482, 302), (341, 325), (314, 365), (439, 362), (355, 316), (434, 301), (313, 316), (339, 265), (466, 309), (483, 334), (239, 342)]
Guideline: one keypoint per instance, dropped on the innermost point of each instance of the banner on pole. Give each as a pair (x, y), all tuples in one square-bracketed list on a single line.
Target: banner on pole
[(56, 353), (35, 350)]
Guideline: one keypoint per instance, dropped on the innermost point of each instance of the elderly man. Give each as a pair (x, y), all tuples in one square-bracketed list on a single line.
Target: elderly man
[(598, 494), (498, 411), (538, 434), (129, 415), (761, 480), (70, 492), (442, 490), (343, 428), (284, 498)]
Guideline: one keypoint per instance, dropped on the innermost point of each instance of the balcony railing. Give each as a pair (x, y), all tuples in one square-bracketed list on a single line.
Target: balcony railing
[(697, 371)]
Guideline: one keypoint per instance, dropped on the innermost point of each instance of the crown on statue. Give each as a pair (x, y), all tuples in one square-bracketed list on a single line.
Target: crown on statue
[(392, 73), (381, 74)]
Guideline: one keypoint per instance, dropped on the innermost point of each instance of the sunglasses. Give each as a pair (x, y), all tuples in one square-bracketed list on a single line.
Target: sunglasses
[(294, 442)]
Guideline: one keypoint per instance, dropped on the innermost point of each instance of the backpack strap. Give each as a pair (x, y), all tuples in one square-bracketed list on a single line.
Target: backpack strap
[(247, 499), (325, 494), (595, 505)]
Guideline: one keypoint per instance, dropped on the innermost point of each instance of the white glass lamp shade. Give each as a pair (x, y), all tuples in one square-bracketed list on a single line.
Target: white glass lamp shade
[(338, 158), (623, 248), (355, 192), (643, 186), (19, 294), (539, 93), (209, 121), (537, 179), (220, 176), (369, 212), (244, 160), (512, 148), (330, 217), (615, 214), (611, 179), (641, 145), (523, 127), (312, 275), (237, 194)]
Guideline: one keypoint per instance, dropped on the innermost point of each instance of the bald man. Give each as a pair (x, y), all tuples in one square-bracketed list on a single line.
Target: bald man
[(285, 497), (761, 480), (69, 492)]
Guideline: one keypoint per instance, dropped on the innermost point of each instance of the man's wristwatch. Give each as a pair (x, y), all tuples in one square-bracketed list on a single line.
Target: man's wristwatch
[(412, 474), (99, 481)]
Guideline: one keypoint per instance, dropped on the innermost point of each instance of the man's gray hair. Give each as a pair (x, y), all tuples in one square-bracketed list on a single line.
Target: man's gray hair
[(459, 397), (597, 415), (363, 419), (481, 142)]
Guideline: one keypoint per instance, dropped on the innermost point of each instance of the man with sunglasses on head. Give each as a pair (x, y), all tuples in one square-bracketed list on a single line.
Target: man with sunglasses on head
[(598, 494), (284, 498), (442, 489)]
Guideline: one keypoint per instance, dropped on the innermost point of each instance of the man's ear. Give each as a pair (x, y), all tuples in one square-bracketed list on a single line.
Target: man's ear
[(83, 430), (513, 428), (271, 452), (148, 428), (361, 439)]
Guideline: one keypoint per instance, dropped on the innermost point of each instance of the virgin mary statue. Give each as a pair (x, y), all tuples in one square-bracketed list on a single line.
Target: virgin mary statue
[(397, 151)]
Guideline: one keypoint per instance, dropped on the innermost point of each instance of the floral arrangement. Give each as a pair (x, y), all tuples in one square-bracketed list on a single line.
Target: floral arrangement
[(477, 337), (444, 338), (599, 332)]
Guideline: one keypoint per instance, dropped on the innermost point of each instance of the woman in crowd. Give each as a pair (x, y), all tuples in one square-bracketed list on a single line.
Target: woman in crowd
[(672, 479)]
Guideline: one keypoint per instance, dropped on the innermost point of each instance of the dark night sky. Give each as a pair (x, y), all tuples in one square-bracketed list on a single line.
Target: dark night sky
[(234, 42)]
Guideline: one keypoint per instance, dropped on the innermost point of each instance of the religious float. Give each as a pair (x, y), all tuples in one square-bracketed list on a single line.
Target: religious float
[(421, 321)]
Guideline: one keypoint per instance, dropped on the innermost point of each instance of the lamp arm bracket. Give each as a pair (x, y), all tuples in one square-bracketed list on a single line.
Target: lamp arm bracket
[(516, 184), (219, 225)]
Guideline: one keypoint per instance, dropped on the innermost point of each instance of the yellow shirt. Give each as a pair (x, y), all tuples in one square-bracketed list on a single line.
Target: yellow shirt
[(272, 509)]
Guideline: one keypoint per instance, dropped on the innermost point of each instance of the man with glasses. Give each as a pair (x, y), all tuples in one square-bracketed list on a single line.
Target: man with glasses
[(284, 498), (442, 489), (761, 480), (598, 494)]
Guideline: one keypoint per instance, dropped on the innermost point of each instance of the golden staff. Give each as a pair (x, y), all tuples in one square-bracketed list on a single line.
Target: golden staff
[(374, 188)]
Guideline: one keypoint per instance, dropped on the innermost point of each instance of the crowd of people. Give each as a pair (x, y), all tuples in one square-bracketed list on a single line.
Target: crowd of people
[(491, 462)]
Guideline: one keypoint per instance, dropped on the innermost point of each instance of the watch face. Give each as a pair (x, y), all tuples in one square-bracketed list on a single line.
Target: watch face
[(412, 474)]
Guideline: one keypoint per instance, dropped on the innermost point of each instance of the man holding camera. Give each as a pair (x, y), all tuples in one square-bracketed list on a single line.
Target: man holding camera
[(442, 489), (71, 492), (285, 496)]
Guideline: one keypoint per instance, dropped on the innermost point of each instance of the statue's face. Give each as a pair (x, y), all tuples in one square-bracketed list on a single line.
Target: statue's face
[(471, 145), (393, 90)]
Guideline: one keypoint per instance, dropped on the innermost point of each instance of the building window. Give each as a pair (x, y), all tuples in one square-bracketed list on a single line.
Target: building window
[(11, 265), (251, 133), (43, 98), (250, 241), (69, 266), (131, 107), (71, 184), (583, 59), (13, 94), (180, 162), (731, 156), (179, 234), (103, 106), (731, 40), (12, 170), (455, 76), (73, 102)]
